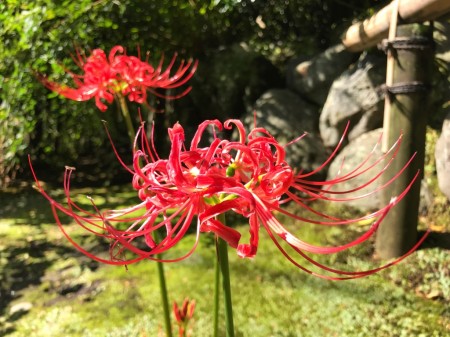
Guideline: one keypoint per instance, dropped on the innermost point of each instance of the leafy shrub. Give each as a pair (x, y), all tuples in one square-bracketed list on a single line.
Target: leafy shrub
[(39, 36)]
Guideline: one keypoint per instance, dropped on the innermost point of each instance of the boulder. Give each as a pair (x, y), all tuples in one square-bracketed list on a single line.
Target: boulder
[(442, 156), (313, 78), (440, 95), (356, 152), (441, 36), (287, 116), (356, 97)]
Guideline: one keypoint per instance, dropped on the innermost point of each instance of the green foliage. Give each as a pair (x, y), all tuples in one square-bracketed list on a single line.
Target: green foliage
[(35, 37), (40, 36)]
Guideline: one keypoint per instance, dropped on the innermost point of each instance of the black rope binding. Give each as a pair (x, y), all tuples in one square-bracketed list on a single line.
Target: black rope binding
[(418, 42), (404, 88), (402, 43)]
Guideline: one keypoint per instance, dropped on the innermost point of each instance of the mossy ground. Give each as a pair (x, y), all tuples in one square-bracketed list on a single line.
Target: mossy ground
[(49, 289)]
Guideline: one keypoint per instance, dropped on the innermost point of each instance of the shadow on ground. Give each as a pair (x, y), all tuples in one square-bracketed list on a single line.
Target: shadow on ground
[(26, 253), (436, 240)]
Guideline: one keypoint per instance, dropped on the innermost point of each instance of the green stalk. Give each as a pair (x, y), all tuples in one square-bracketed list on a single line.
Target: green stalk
[(222, 257), (164, 298), (216, 294), (126, 116), (160, 267)]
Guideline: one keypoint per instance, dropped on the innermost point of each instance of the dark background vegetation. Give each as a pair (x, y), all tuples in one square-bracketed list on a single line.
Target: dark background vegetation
[(40, 36)]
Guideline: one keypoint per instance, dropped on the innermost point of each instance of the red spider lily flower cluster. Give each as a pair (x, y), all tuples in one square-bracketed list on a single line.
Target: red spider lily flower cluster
[(120, 74), (183, 315), (195, 185)]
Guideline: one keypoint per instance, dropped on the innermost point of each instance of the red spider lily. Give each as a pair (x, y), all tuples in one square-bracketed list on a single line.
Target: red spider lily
[(194, 185), (120, 74), (183, 315)]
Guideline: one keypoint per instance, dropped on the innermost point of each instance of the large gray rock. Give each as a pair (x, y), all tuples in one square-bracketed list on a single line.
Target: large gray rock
[(356, 97), (348, 159), (440, 95), (442, 155), (356, 152), (441, 36), (286, 116), (313, 78)]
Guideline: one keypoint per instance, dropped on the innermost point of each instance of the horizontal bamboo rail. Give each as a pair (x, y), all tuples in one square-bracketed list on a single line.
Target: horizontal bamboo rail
[(363, 35)]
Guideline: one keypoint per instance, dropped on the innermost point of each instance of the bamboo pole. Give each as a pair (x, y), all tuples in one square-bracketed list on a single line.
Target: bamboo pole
[(366, 34), (412, 70), (389, 77)]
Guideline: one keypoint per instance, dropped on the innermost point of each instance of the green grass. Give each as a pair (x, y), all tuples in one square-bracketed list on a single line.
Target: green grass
[(73, 296)]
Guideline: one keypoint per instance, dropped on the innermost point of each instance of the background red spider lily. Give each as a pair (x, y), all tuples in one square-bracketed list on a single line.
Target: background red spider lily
[(119, 74)]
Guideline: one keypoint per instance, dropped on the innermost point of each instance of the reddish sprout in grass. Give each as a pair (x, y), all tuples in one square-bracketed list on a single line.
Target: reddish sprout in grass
[(249, 177), (119, 74), (183, 315)]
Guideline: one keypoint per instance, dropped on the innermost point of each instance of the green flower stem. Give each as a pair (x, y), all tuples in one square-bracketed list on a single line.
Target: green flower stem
[(222, 257), (160, 266), (164, 296), (216, 295), (127, 118)]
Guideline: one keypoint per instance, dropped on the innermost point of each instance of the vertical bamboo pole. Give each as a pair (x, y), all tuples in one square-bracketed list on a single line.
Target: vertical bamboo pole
[(389, 77), (408, 116)]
